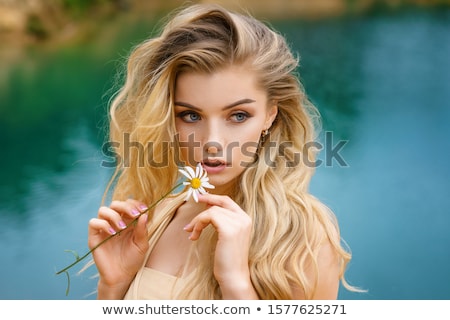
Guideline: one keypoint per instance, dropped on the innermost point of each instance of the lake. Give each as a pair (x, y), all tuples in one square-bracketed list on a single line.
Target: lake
[(382, 84)]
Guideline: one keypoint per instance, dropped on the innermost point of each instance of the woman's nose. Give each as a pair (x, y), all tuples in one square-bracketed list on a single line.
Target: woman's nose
[(212, 149), (213, 143)]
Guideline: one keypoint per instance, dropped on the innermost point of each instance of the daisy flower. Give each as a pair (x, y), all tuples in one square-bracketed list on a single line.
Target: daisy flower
[(197, 183)]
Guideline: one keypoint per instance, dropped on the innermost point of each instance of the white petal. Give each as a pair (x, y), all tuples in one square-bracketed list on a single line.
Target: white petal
[(201, 170), (198, 169), (187, 183), (201, 190), (185, 173), (195, 195), (191, 172), (207, 185), (189, 193)]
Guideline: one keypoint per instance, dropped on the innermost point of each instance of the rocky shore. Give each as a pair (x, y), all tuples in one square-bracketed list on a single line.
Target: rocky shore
[(43, 20)]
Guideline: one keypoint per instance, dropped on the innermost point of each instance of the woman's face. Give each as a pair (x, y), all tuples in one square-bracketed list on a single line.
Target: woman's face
[(219, 118)]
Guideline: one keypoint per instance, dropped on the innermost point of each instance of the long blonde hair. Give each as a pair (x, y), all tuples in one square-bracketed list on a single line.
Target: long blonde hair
[(289, 224)]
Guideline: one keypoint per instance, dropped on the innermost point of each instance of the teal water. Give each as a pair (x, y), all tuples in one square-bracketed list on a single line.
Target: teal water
[(381, 82)]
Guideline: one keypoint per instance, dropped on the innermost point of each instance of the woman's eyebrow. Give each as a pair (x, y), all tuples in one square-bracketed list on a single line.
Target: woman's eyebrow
[(234, 104)]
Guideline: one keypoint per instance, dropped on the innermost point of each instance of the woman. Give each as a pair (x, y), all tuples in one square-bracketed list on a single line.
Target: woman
[(218, 89)]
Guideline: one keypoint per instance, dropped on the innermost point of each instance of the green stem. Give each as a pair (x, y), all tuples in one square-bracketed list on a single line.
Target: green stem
[(117, 233)]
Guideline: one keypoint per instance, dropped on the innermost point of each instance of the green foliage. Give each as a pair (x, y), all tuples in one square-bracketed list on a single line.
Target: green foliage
[(78, 7), (36, 28)]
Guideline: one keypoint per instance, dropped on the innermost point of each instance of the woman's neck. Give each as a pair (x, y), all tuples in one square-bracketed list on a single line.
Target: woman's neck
[(224, 189)]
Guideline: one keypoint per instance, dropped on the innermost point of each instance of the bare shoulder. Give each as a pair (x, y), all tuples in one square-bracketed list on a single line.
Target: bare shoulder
[(327, 274)]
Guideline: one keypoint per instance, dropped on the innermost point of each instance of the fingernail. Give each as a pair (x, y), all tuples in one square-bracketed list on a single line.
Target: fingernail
[(143, 207), (135, 212), (122, 225), (112, 231), (186, 227)]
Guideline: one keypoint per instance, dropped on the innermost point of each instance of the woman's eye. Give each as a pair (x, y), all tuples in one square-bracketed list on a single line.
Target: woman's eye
[(189, 116), (239, 116)]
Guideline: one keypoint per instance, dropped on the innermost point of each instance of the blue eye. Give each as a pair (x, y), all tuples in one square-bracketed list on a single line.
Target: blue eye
[(189, 116), (240, 116)]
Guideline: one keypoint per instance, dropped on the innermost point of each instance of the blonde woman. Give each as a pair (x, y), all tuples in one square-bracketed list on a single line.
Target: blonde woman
[(217, 89)]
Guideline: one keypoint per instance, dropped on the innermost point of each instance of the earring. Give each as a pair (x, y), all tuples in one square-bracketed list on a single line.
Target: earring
[(264, 133)]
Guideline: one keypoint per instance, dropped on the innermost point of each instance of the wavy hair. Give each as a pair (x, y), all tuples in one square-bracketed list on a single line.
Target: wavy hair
[(289, 224)]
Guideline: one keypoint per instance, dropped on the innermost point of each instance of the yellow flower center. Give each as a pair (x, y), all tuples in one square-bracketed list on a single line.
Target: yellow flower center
[(196, 183)]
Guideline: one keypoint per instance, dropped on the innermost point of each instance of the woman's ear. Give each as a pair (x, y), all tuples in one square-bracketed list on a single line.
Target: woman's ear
[(271, 115)]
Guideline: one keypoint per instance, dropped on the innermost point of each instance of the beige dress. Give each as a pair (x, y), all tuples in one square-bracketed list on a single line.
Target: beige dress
[(151, 284)]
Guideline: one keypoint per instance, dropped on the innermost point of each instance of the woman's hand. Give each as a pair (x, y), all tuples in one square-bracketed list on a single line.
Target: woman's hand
[(118, 259), (233, 226)]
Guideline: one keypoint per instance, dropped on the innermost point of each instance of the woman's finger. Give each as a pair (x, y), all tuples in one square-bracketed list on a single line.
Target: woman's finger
[(140, 234), (98, 230), (129, 209), (220, 201), (113, 217), (215, 216)]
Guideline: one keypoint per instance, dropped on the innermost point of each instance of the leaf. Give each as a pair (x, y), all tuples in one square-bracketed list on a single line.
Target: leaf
[(77, 257), (68, 283)]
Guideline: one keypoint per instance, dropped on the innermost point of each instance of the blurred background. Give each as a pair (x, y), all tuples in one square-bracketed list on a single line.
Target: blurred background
[(378, 71)]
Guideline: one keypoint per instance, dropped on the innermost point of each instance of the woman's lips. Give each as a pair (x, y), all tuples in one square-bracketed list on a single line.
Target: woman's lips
[(214, 166)]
